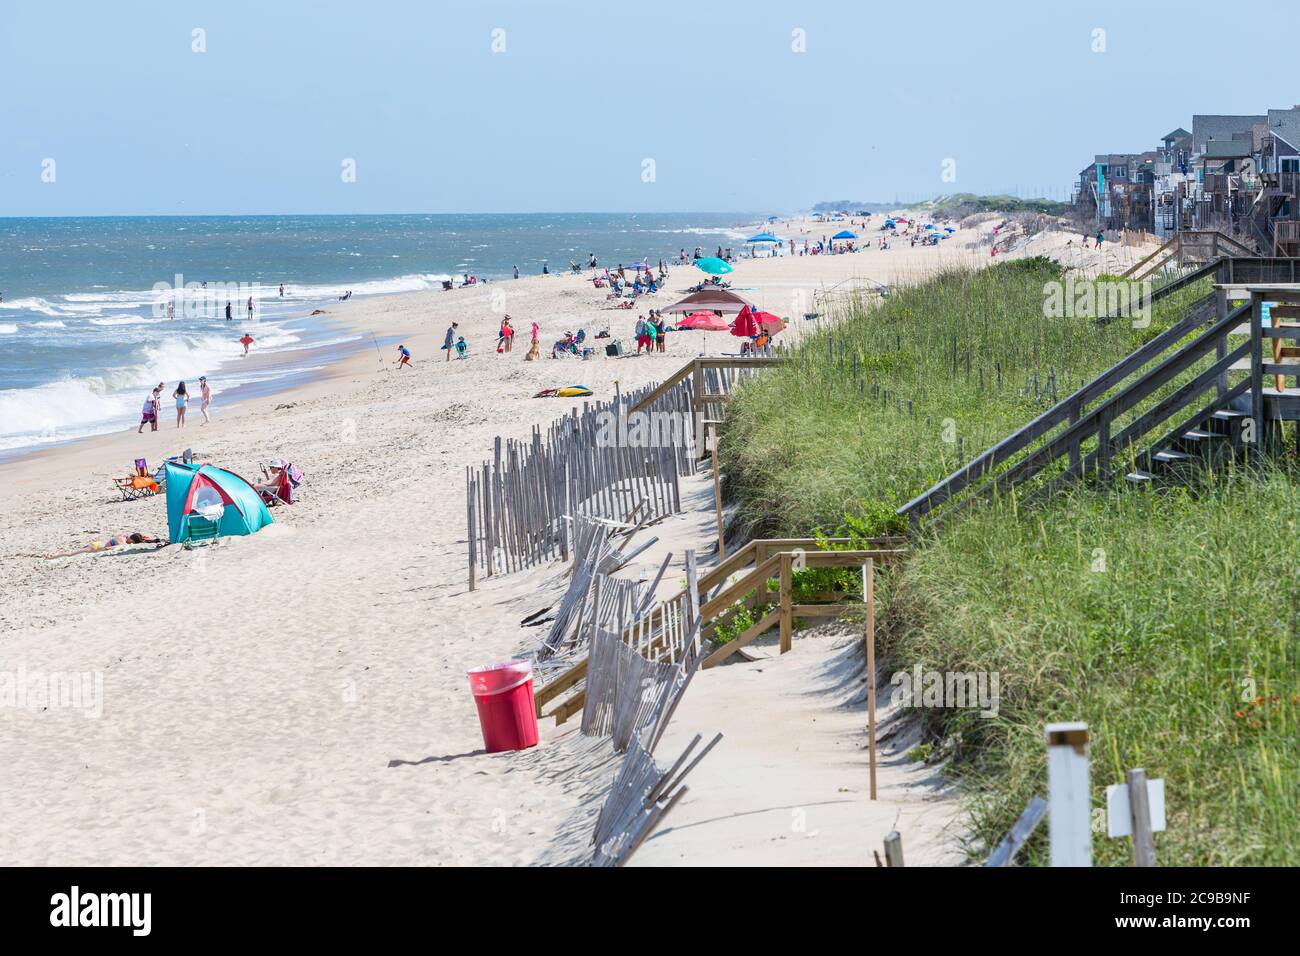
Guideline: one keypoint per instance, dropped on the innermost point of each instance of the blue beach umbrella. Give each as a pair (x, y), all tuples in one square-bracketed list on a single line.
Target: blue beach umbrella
[(714, 266)]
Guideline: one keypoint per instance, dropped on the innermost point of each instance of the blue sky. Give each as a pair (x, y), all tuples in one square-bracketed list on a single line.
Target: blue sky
[(584, 93)]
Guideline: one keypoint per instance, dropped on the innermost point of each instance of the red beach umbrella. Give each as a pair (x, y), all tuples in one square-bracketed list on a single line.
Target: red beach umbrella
[(771, 324), (705, 321), (745, 327)]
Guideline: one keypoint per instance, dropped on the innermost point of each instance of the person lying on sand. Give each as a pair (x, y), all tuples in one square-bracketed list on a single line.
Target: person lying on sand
[(112, 541)]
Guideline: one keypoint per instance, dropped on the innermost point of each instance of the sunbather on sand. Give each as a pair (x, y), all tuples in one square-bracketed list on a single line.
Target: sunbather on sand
[(113, 541)]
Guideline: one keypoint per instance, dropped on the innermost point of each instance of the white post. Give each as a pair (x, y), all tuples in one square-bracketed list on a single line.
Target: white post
[(1069, 795)]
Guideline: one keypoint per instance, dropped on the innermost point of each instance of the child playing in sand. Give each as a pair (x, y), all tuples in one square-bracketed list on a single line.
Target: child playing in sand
[(462, 349), (246, 341), (403, 356)]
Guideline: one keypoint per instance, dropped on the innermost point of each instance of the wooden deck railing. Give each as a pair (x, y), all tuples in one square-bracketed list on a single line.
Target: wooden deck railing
[(756, 562), (1089, 413)]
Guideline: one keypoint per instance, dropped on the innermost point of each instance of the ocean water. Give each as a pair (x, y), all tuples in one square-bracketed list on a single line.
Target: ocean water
[(85, 330)]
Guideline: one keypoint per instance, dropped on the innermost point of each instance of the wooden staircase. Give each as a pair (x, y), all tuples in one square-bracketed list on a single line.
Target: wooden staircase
[(1134, 420), (1188, 248)]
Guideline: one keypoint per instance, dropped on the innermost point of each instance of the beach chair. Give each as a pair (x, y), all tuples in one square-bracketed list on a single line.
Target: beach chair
[(138, 484), (201, 529), (291, 478)]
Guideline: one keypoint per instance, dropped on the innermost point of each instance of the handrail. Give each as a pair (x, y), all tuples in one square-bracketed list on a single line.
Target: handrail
[(1166, 246), (1084, 424), (698, 365), (1119, 403), (754, 579), (1049, 419)]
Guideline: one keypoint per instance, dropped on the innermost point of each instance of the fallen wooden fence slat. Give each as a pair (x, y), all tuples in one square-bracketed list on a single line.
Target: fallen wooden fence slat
[(1019, 834)]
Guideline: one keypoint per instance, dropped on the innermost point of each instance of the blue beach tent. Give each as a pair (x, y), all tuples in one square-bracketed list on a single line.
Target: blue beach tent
[(204, 501), (845, 234)]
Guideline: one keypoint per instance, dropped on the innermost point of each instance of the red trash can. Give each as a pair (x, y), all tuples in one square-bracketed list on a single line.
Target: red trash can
[(506, 710)]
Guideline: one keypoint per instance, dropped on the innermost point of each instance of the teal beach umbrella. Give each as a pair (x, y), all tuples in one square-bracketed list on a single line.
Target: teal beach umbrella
[(714, 266)]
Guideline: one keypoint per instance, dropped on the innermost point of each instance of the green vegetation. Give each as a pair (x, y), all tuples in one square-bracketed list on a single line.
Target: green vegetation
[(953, 206), (1166, 619), (961, 205), (882, 403), (1169, 621), (736, 620)]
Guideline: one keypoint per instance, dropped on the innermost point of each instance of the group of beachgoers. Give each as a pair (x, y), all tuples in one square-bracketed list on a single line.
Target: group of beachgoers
[(644, 281), (454, 344), (152, 409), (651, 333)]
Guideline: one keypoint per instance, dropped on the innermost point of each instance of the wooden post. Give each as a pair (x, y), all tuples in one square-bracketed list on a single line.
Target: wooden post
[(787, 618), (1144, 844), (869, 597), (717, 491), (1069, 797), (469, 513), (1256, 367), (894, 849)]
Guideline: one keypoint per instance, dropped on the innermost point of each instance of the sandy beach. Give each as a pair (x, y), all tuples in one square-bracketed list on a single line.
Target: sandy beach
[(298, 696)]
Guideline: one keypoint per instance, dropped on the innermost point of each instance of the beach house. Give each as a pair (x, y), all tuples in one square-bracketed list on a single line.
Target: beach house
[(1276, 210)]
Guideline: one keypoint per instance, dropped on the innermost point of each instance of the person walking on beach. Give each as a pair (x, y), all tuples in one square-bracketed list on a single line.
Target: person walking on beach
[(250, 308), (447, 342), (282, 290), (149, 414), (516, 272), (246, 340), (507, 334), (403, 357), (182, 398), (228, 315), (205, 397)]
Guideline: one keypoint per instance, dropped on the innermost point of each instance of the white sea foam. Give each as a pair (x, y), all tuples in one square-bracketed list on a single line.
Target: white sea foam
[(7, 328)]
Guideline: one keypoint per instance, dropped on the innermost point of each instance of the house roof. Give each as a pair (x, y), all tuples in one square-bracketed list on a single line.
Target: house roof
[(1179, 133), (1227, 149), (1214, 126), (1285, 124)]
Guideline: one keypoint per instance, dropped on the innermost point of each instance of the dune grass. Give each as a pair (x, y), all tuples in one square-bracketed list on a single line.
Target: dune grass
[(1165, 618), (1168, 620), (887, 400)]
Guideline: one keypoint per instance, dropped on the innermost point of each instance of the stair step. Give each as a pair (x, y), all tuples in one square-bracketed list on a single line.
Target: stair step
[(1137, 477), (1229, 414), (1197, 434), (1171, 456)]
